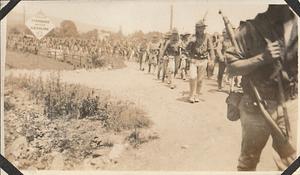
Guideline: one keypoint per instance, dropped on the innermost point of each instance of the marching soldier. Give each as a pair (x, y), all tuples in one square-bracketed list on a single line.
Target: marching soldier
[(211, 63), (142, 54), (222, 45), (171, 53), (184, 59), (162, 63), (266, 57), (153, 52), (200, 50)]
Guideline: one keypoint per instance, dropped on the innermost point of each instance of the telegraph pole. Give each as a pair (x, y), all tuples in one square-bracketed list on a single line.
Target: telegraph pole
[(171, 18), (24, 14)]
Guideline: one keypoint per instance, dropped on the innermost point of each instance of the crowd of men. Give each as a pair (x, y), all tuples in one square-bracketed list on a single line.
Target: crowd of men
[(70, 48)]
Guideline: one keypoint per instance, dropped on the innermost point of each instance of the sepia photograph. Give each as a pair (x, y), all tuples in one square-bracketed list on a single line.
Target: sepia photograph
[(175, 86)]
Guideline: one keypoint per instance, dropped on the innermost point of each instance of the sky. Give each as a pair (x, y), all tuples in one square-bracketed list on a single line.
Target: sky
[(146, 15)]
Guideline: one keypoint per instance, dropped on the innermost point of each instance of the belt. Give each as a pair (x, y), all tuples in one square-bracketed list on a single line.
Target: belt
[(197, 58), (200, 57), (171, 57)]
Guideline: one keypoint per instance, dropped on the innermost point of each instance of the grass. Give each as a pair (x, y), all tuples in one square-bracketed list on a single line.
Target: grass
[(19, 60), (75, 101)]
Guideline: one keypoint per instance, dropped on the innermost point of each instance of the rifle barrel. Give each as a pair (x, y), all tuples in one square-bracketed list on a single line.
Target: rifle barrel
[(229, 30)]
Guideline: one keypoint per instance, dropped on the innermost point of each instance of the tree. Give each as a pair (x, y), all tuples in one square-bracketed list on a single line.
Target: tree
[(14, 30), (19, 29), (93, 34), (68, 28), (56, 32)]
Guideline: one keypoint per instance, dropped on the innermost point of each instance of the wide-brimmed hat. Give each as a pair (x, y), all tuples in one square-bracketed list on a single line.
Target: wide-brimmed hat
[(167, 35), (201, 23), (174, 31)]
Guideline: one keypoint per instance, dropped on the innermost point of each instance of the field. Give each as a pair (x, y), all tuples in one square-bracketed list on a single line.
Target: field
[(18, 60)]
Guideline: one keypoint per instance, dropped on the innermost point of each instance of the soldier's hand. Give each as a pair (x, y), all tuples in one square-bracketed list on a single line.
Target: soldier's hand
[(272, 51)]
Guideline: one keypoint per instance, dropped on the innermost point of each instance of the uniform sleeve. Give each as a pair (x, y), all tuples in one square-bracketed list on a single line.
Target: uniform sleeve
[(210, 48), (189, 48), (165, 48), (219, 53), (238, 63), (161, 48)]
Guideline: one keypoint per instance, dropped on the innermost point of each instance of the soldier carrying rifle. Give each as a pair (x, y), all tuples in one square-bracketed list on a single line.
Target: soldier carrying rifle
[(201, 52), (162, 62), (265, 54), (153, 54)]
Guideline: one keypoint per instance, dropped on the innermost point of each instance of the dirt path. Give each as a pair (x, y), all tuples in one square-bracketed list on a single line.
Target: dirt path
[(193, 137)]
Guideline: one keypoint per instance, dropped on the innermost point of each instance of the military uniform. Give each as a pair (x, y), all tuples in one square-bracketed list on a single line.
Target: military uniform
[(212, 60), (220, 50), (254, 66), (171, 54), (199, 51), (184, 57), (153, 52), (142, 55), (162, 63)]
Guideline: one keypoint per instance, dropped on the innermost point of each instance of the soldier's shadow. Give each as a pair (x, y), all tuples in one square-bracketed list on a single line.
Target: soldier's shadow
[(185, 97), (219, 90), (212, 84)]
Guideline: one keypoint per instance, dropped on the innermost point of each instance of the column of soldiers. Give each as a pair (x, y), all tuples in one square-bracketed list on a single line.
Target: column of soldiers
[(185, 56), (261, 58)]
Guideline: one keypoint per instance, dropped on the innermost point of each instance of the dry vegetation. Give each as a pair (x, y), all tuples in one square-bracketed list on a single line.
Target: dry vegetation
[(74, 101), (46, 119)]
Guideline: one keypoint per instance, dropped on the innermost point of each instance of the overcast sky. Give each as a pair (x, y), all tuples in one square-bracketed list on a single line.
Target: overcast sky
[(147, 15)]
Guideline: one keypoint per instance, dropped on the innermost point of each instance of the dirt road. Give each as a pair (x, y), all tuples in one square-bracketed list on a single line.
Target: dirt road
[(193, 137)]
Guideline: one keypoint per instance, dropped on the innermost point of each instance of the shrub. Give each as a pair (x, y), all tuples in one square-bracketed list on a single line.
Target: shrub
[(75, 101), (8, 105)]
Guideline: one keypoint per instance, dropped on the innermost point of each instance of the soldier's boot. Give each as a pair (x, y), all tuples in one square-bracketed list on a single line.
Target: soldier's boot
[(219, 84), (141, 66), (158, 73), (192, 90), (149, 68), (183, 74), (164, 73), (170, 80), (154, 69), (198, 90)]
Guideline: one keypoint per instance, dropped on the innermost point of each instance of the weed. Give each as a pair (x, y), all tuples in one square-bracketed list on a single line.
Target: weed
[(76, 101)]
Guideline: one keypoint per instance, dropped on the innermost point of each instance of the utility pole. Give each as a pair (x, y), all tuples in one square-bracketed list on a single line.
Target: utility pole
[(24, 14), (171, 18)]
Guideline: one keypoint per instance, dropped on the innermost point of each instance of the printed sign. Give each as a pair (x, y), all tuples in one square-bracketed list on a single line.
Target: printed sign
[(40, 25)]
